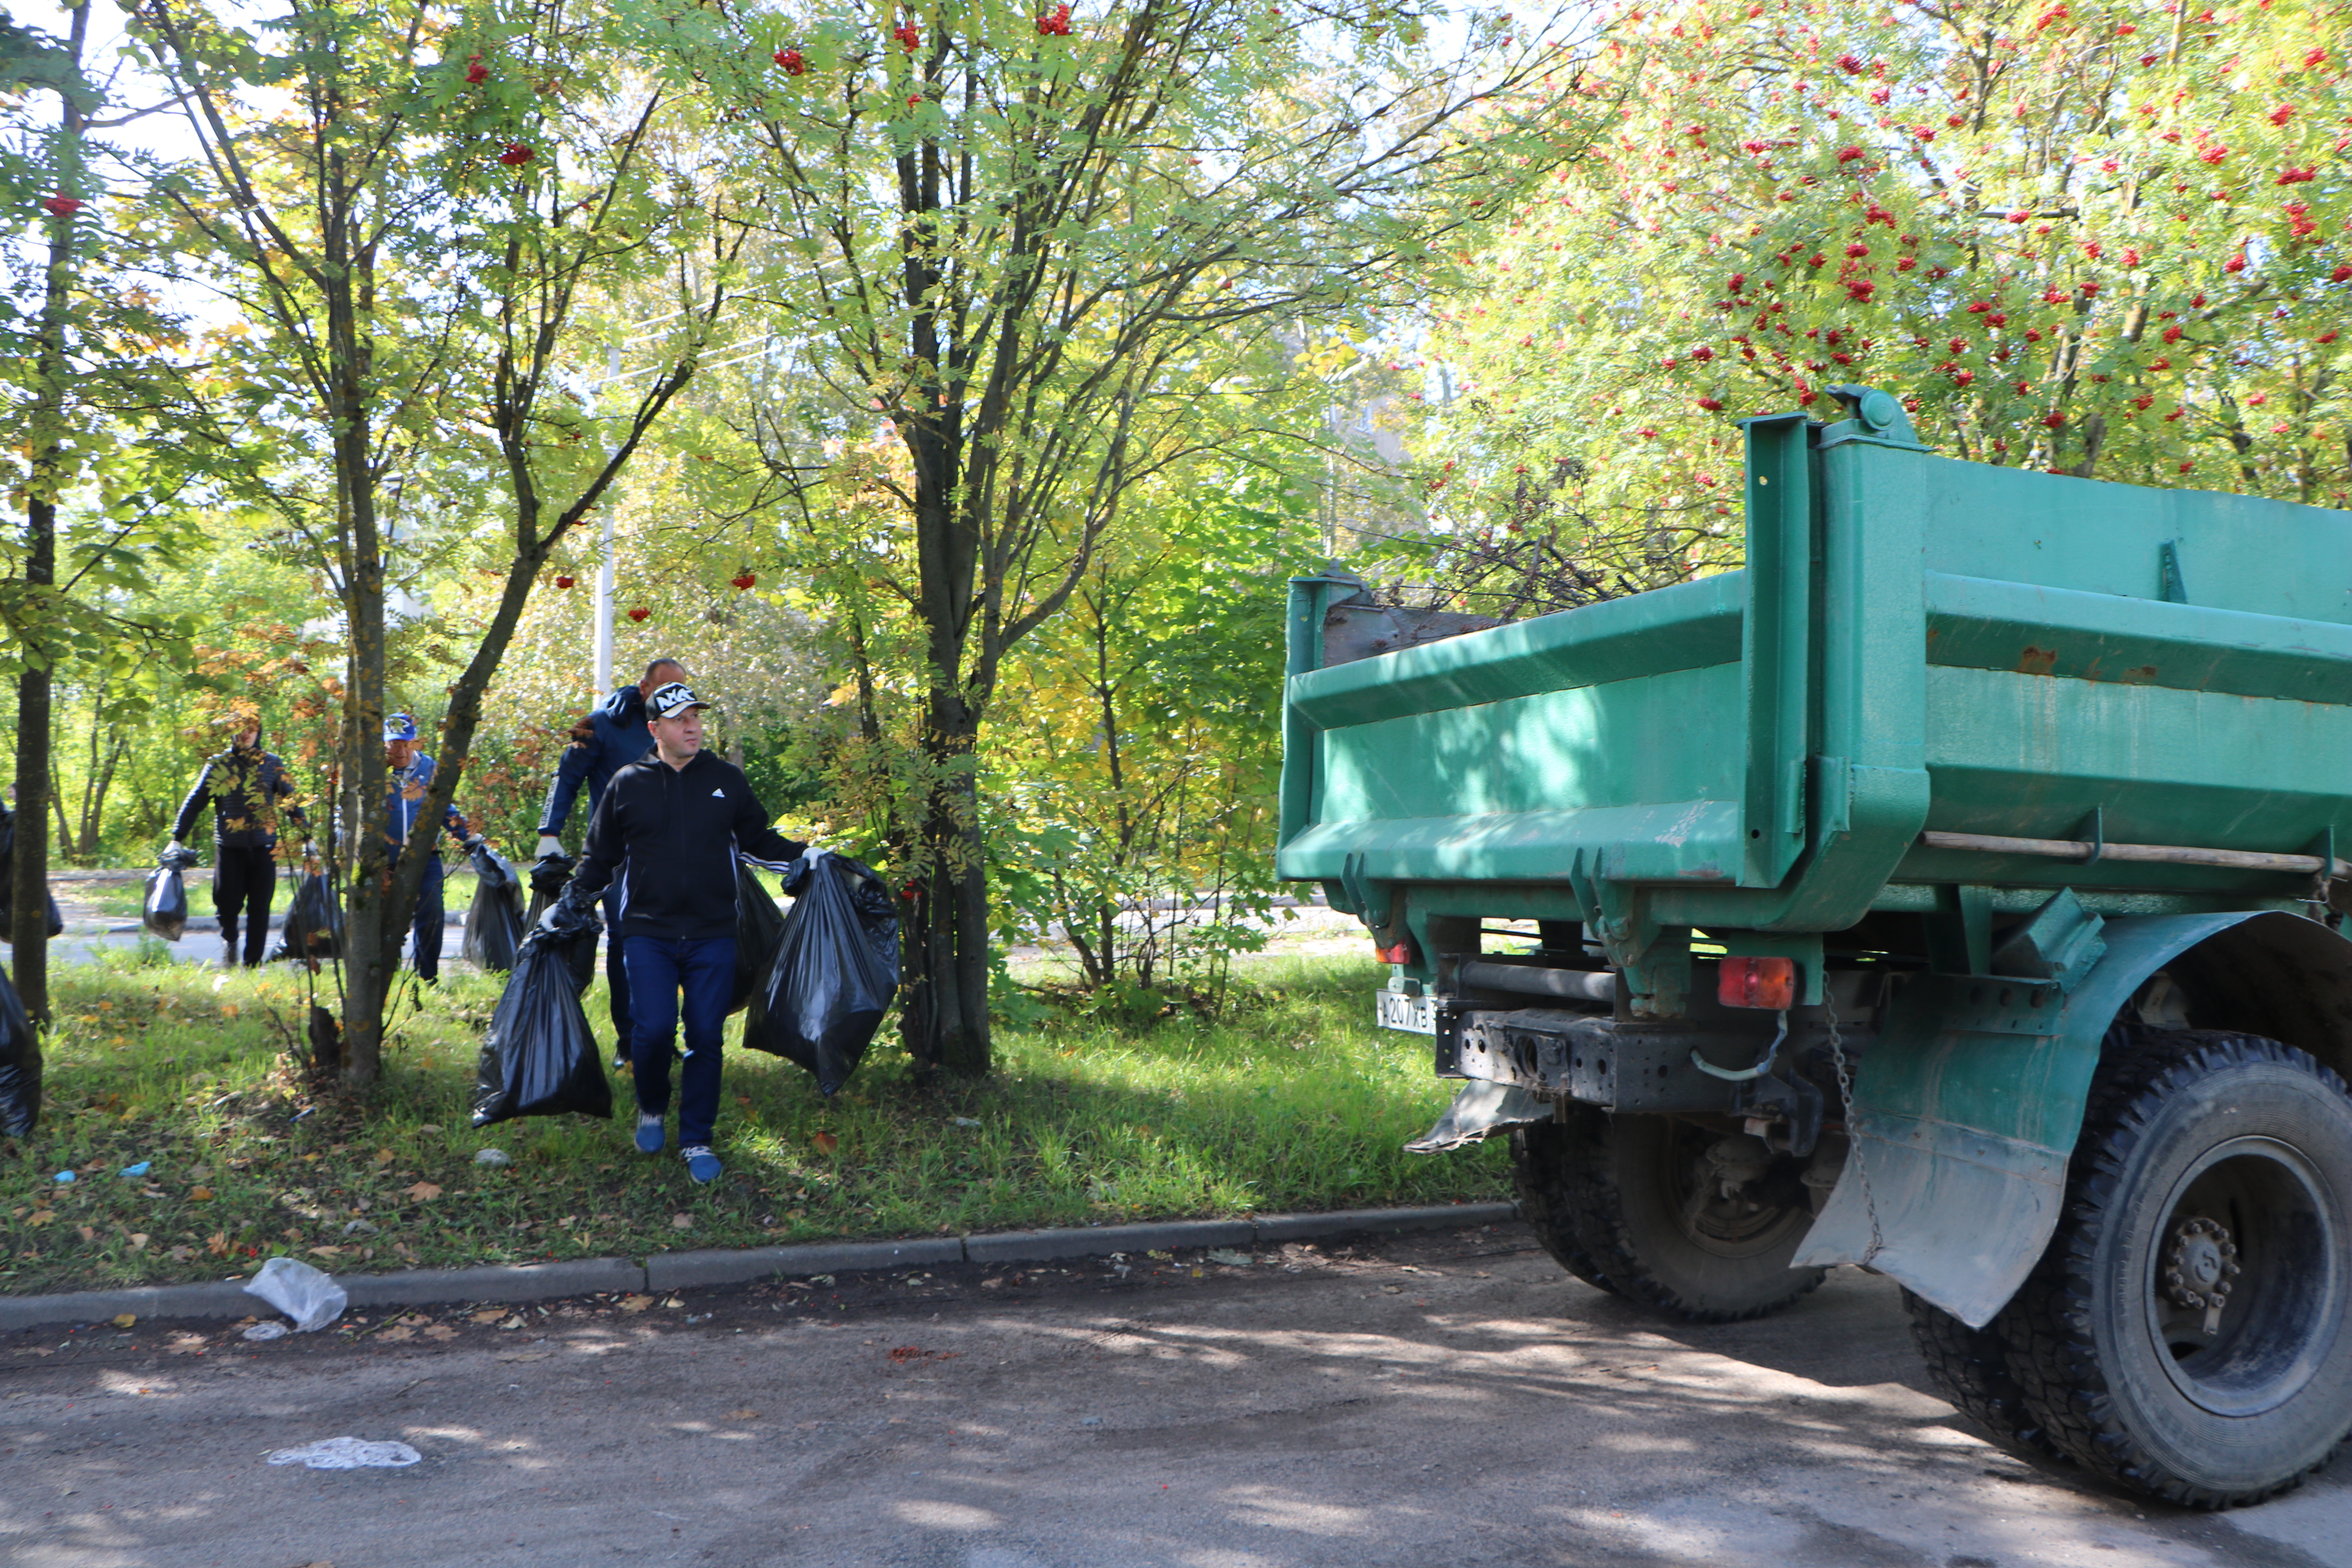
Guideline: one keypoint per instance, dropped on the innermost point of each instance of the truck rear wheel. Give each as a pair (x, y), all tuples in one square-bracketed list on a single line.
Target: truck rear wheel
[(1971, 1368), (1693, 1222), (2185, 1333), (1540, 1171)]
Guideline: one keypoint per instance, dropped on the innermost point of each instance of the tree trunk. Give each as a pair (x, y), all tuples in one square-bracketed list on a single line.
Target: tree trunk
[(29, 928), (29, 935), (944, 1017)]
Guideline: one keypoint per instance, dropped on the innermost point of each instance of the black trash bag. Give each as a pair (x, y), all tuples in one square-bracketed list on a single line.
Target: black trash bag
[(57, 921), (575, 931), (165, 912), (548, 874), (314, 925), (539, 1057), (20, 1064), (836, 970), (759, 927), (494, 924)]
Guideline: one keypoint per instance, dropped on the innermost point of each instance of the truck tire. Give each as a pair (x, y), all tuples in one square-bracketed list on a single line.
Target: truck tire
[(2206, 1160), (1650, 1222), (1539, 1163), (1971, 1368)]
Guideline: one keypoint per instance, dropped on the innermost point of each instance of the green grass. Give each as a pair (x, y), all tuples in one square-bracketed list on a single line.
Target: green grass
[(1290, 1100)]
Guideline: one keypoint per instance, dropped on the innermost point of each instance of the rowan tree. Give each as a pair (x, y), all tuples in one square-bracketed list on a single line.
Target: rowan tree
[(2096, 238)]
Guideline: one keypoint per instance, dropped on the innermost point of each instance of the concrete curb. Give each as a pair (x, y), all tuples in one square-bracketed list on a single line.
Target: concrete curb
[(679, 1270)]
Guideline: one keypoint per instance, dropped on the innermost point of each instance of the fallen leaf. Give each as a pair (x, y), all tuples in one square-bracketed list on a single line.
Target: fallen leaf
[(513, 1323), (200, 1194), (492, 1316), (397, 1335), (826, 1142), (681, 1222), (41, 1217), (139, 1241), (422, 1191), (384, 1156), (441, 1331), (124, 1319), (743, 1415), (635, 1303), (326, 1252), (673, 1301)]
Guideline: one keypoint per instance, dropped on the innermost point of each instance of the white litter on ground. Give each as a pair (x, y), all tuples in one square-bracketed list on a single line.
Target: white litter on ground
[(312, 1299), (347, 1454), (266, 1331)]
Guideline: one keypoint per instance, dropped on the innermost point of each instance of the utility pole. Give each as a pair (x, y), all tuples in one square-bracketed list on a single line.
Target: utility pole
[(603, 677)]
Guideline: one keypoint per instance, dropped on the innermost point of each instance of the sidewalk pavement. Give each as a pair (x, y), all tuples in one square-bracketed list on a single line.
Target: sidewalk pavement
[(675, 1270)]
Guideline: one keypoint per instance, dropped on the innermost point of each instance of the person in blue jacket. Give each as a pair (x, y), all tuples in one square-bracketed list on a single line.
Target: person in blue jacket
[(410, 775), (609, 738)]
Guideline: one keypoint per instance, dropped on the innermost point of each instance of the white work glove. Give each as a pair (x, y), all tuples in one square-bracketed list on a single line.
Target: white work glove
[(549, 843), (176, 847), (473, 842)]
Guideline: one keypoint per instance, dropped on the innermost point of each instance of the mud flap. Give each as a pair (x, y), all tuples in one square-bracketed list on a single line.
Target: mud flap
[(1966, 1110), (1481, 1109)]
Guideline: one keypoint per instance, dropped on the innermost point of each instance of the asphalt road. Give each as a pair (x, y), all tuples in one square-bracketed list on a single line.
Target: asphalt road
[(1446, 1399)]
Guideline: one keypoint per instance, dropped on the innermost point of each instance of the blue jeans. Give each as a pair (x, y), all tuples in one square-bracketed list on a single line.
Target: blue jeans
[(426, 931), (616, 973), (663, 972)]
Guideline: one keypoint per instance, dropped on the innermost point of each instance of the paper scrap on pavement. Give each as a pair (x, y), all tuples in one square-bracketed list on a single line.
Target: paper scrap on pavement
[(347, 1454)]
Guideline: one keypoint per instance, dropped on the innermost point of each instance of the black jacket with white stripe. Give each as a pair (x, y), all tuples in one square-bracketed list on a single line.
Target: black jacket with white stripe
[(670, 836)]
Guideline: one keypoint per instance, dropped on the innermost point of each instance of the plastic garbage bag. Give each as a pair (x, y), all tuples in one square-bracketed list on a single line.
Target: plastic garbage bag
[(494, 924), (548, 874), (20, 1064), (314, 925), (759, 927), (165, 912), (57, 921), (539, 1057), (834, 973), (312, 1299)]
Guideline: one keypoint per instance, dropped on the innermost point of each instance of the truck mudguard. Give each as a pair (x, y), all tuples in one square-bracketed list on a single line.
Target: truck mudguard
[(1972, 1095)]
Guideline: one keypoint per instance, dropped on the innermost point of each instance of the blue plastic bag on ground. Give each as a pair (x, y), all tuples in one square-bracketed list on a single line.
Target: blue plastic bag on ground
[(836, 971), (20, 1064), (539, 1057)]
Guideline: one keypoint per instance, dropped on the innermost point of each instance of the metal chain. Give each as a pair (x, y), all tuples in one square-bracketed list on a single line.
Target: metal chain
[(1853, 1133)]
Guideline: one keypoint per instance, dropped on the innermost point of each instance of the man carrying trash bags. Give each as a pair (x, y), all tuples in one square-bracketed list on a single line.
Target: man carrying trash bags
[(609, 738), (409, 775), (245, 786), (667, 832)]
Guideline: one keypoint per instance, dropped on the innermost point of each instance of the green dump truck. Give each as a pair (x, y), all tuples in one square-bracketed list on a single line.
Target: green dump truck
[(1953, 891)]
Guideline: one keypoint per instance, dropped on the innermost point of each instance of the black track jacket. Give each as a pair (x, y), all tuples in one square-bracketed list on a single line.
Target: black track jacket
[(671, 835)]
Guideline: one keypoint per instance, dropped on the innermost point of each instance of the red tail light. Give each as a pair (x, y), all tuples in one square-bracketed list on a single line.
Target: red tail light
[(1757, 983), (1400, 953)]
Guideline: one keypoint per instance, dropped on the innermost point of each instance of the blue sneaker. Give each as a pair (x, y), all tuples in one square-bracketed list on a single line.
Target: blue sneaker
[(701, 1163), (649, 1132)]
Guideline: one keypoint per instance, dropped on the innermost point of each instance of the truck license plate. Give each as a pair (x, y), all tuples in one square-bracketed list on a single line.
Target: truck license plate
[(1414, 1015)]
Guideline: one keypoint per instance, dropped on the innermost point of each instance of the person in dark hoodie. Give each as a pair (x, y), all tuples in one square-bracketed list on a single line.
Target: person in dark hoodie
[(612, 736), (667, 832), (249, 791)]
